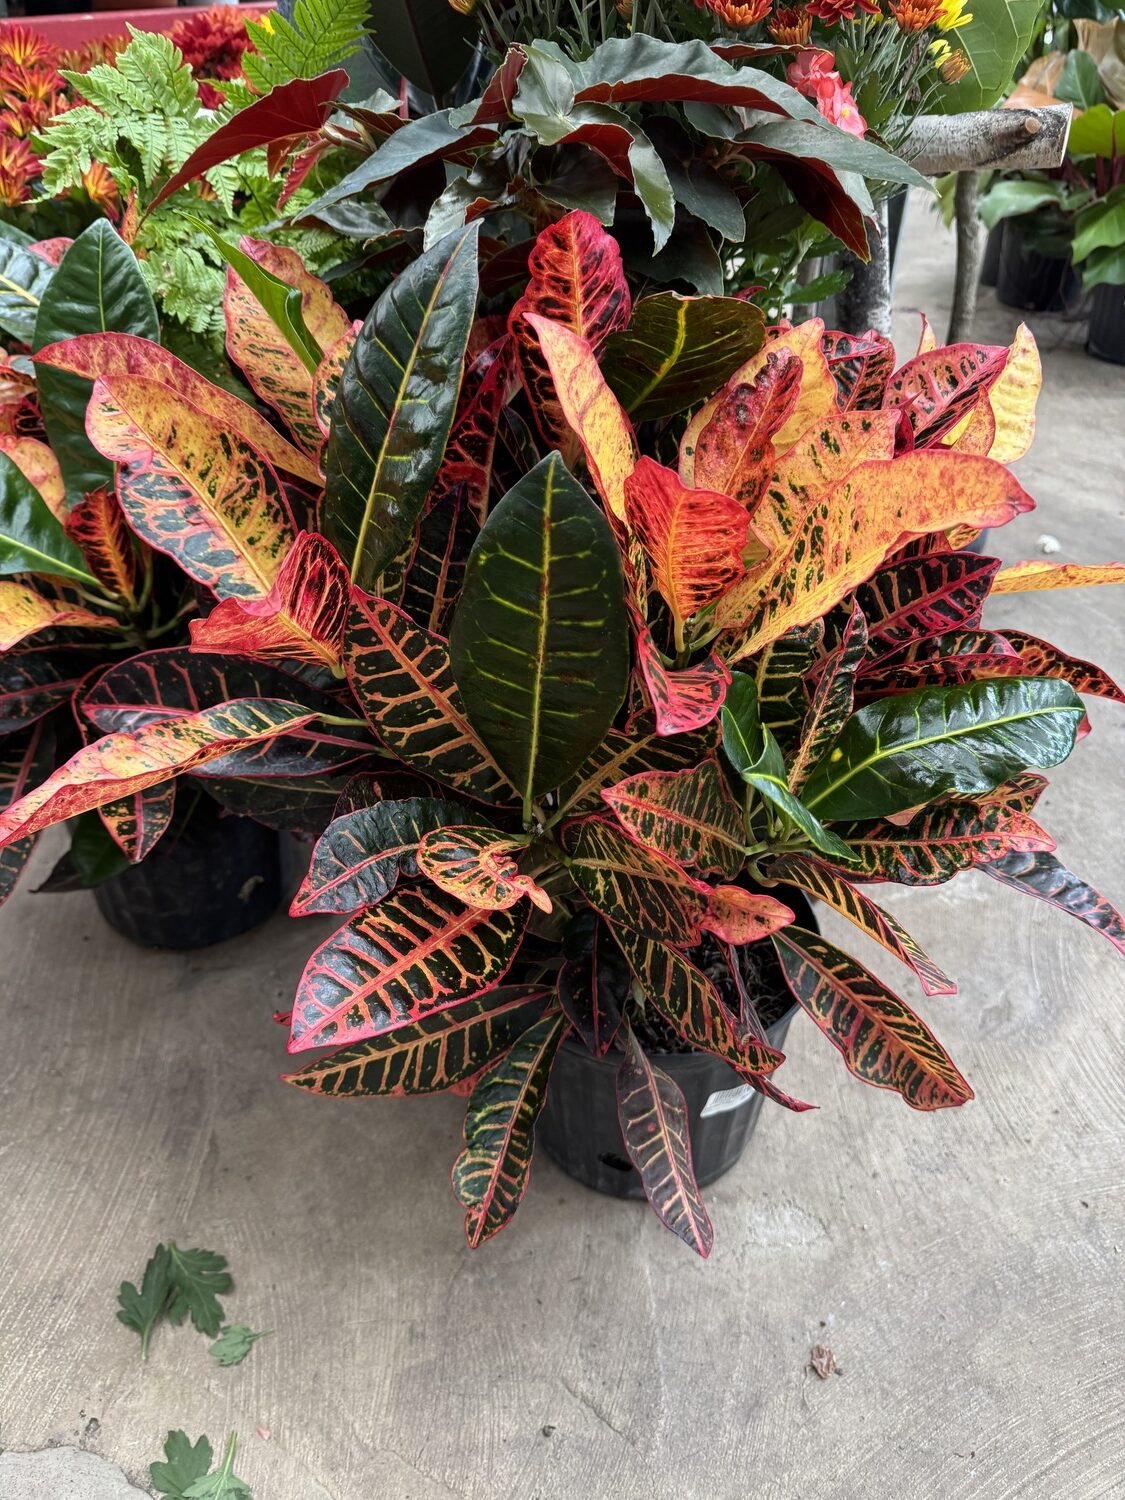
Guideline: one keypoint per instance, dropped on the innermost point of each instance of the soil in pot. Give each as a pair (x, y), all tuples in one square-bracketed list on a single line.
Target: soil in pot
[(1106, 336), (1032, 281), (579, 1128), (211, 877)]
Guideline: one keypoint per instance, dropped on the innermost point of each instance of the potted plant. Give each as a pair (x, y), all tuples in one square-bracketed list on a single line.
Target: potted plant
[(1098, 142), (645, 619)]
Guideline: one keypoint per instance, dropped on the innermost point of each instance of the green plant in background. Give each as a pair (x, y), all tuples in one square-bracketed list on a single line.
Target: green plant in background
[(144, 119)]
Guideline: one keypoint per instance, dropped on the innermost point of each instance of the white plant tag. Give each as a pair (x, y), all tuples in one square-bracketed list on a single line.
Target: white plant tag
[(725, 1099)]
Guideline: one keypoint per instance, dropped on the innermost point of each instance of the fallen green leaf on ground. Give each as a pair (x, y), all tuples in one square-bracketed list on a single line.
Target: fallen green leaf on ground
[(234, 1343), (177, 1284), (186, 1473)]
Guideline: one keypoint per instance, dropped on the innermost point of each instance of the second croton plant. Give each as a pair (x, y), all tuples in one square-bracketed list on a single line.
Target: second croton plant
[(608, 624)]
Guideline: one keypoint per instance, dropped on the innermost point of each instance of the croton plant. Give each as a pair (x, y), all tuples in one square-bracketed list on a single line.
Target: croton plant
[(578, 631)]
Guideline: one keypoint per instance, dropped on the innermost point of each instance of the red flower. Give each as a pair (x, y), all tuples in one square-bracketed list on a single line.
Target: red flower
[(814, 75), (830, 11), (212, 42), (26, 47)]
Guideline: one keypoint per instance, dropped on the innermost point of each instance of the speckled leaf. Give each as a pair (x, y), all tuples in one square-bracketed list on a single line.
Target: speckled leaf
[(1032, 576), (880, 1039), (936, 390), (728, 445), (25, 612), (1040, 874), (923, 597), (861, 364), (417, 953), (688, 816), (684, 699), (832, 700), (478, 866), (138, 822)]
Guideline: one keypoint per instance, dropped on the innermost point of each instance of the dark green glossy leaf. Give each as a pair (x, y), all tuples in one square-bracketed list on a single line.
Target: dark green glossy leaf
[(756, 756), (24, 277), (677, 351), (426, 40), (539, 645), (31, 538), (98, 288), (394, 407), (903, 752)]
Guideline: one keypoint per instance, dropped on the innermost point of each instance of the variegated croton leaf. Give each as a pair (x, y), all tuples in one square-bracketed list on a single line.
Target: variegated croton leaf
[(122, 764), (576, 280), (418, 952), (490, 1176), (624, 754), (97, 525), (689, 817), (938, 389), (1031, 576), (256, 345), (25, 611), (685, 698), (1039, 873), (466, 469), (360, 855), (728, 445), (137, 823), (655, 1129), (430, 1055), (1036, 658), (402, 678), (832, 701), (880, 1039), (301, 619), (478, 866), (34, 682), (26, 759), (912, 601), (861, 364)]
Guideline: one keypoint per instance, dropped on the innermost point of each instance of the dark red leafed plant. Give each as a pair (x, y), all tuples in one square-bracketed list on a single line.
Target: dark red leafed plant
[(608, 624)]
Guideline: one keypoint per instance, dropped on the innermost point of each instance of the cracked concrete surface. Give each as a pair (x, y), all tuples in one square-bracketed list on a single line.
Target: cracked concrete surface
[(966, 1268)]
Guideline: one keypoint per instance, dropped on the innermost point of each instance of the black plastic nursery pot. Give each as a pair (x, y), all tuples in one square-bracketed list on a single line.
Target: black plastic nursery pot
[(990, 261), (579, 1129), (1032, 281), (1106, 336), (210, 878)]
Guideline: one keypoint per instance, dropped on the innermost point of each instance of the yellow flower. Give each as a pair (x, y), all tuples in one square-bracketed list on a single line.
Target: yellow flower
[(939, 51), (952, 15)]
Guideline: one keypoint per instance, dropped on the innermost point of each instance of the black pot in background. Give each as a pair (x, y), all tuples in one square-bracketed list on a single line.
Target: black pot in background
[(1106, 338), (579, 1129), (990, 261), (211, 877), (1034, 282)]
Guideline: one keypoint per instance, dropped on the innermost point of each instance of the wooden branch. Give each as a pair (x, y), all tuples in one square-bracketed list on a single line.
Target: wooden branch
[(1007, 138), (970, 250)]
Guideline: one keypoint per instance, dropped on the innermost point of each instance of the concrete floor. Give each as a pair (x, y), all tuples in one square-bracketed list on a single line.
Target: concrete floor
[(965, 1268)]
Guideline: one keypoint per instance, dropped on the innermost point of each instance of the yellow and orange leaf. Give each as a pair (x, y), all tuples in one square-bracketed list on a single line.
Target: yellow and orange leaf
[(477, 865), (843, 539), (39, 466), (1031, 576), (327, 378), (25, 612), (97, 525), (257, 346), (301, 618), (101, 355), (695, 539), (192, 487), (728, 446), (739, 916), (591, 409)]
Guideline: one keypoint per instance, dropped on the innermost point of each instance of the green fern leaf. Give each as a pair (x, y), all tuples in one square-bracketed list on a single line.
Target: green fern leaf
[(322, 35)]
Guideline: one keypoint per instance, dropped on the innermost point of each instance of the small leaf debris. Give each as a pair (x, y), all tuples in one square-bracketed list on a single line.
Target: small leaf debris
[(234, 1343), (822, 1362), (186, 1473)]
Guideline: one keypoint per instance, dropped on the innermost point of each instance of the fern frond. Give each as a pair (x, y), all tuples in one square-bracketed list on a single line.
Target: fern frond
[(321, 35)]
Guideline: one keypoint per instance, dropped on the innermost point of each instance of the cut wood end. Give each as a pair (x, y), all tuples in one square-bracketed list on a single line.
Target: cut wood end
[(1032, 124)]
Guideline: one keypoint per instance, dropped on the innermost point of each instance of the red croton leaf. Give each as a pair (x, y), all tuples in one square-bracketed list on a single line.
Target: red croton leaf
[(633, 886), (695, 539), (97, 525), (25, 759), (928, 596), (39, 466), (297, 108), (257, 346), (880, 1038), (728, 444), (466, 470), (137, 823), (936, 390), (739, 916), (419, 952), (621, 755), (654, 1127), (576, 280), (682, 700), (300, 619), (1036, 658)]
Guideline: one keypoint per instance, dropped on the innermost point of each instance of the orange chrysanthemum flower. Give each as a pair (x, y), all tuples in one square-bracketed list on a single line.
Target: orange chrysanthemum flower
[(915, 15), (101, 188), (736, 15), (18, 166), (954, 67), (36, 83), (22, 45), (791, 27)]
